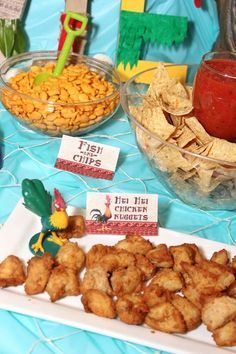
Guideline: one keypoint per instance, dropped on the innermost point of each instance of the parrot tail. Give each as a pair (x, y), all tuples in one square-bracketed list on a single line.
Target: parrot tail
[(36, 198)]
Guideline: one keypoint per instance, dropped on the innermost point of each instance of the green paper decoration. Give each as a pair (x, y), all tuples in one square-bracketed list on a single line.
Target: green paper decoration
[(139, 27)]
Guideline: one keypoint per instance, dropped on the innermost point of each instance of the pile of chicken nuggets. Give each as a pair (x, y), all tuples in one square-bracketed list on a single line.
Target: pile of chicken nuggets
[(170, 289)]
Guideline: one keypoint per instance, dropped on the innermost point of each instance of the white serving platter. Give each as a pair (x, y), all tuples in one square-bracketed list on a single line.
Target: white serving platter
[(14, 239)]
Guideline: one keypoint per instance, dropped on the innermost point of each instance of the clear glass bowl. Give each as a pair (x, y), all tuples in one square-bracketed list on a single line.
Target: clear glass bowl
[(57, 118), (211, 183)]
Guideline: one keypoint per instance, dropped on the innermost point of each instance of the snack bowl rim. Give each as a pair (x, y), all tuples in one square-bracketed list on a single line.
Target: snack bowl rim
[(124, 94), (38, 54)]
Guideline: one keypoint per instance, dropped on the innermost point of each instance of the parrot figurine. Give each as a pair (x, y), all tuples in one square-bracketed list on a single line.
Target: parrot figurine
[(53, 215)]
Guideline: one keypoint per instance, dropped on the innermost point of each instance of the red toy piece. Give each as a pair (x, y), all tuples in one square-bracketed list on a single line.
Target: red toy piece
[(74, 24), (198, 3)]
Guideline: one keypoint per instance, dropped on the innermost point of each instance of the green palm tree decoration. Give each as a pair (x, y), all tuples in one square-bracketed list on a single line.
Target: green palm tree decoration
[(137, 28)]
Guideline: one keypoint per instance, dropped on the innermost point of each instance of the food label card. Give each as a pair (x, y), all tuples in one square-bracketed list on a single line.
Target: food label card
[(87, 157), (112, 213), (12, 9)]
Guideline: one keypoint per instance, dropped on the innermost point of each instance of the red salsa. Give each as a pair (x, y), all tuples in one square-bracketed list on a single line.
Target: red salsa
[(214, 98)]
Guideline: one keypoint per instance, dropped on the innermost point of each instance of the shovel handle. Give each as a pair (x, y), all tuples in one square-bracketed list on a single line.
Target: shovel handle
[(71, 35), (81, 18)]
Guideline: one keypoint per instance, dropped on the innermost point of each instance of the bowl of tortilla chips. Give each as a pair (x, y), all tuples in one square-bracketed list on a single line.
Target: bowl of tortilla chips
[(194, 166)]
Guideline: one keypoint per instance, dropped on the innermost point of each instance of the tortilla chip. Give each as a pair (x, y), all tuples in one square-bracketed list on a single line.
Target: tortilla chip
[(209, 175), (175, 104), (189, 89), (155, 121), (169, 160), (179, 90), (205, 149), (147, 143), (205, 176), (198, 130), (200, 150), (176, 135), (137, 112), (223, 150), (178, 121), (176, 99), (186, 137), (160, 81), (185, 175), (193, 146), (208, 187), (172, 141)]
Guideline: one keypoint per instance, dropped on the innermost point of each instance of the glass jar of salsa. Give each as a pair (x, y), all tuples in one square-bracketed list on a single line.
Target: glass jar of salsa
[(214, 94)]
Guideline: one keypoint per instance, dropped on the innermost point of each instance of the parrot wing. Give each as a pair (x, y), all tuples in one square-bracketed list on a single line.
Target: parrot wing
[(36, 198)]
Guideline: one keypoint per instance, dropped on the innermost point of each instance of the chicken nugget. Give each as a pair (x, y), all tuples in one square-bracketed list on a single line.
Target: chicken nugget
[(131, 309), (193, 295), (198, 256), (196, 297), (187, 280), (160, 256), (224, 274), (135, 244), (96, 278), (99, 303), (182, 253), (153, 295), (109, 262), (95, 253), (168, 279), (204, 281), (145, 266), (220, 257), (75, 228), (38, 272), (127, 281), (226, 336), (218, 311), (11, 272), (233, 264), (190, 313), (166, 318), (117, 259), (62, 282), (71, 255), (231, 291)]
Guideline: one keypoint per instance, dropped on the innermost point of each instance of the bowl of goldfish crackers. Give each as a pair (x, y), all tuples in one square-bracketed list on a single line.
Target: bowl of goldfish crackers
[(84, 96)]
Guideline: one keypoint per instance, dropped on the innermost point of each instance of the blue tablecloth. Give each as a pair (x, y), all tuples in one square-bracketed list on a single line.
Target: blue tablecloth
[(27, 154)]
